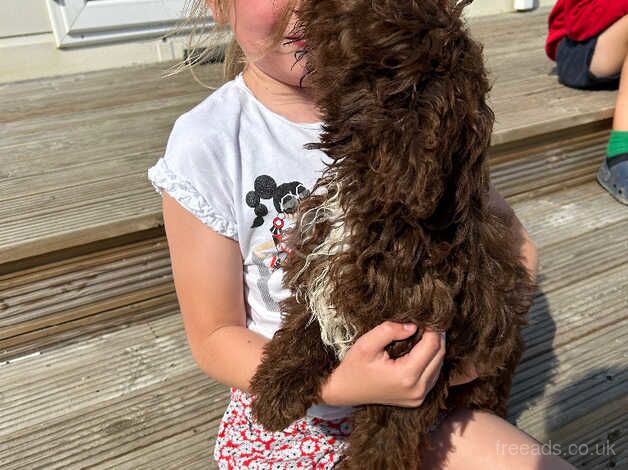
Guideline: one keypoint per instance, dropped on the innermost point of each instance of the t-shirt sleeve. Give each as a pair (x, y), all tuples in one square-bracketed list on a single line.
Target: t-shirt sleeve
[(197, 175)]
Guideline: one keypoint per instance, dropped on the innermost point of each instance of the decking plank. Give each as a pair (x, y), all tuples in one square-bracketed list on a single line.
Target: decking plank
[(101, 90), (569, 213), (530, 172)]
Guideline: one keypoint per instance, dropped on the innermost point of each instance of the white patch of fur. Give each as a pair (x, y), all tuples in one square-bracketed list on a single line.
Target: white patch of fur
[(336, 331)]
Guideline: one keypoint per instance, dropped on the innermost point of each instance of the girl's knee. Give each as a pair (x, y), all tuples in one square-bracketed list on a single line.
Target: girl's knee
[(611, 50), (470, 439)]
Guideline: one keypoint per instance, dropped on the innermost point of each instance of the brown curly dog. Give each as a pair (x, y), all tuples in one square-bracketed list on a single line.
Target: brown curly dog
[(398, 227)]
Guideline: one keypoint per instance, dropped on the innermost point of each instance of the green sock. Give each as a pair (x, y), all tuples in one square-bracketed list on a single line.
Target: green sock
[(618, 144)]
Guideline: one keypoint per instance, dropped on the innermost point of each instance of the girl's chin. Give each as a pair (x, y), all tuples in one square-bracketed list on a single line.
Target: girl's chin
[(284, 74)]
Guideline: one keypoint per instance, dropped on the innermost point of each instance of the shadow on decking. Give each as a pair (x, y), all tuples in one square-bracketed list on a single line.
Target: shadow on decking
[(527, 392)]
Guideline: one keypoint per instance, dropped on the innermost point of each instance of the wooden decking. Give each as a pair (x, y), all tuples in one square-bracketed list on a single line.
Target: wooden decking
[(74, 150), (96, 371)]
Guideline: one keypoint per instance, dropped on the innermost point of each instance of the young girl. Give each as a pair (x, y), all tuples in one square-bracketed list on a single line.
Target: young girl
[(232, 175), (588, 39)]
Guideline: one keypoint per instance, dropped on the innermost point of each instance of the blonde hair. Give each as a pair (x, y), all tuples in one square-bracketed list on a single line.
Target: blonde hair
[(195, 16)]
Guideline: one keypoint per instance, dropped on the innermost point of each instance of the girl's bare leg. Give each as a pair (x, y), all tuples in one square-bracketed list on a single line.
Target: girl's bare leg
[(611, 57), (620, 121), (611, 49), (471, 439)]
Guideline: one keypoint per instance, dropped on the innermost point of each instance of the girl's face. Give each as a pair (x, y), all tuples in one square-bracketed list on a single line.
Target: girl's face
[(253, 23)]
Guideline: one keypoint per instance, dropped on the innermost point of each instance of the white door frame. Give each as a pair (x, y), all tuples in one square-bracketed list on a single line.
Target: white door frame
[(84, 22)]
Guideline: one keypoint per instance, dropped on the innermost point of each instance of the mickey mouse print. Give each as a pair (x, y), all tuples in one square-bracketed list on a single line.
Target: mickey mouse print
[(285, 199)]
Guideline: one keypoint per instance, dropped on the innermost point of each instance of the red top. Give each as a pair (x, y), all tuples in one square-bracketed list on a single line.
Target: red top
[(581, 20)]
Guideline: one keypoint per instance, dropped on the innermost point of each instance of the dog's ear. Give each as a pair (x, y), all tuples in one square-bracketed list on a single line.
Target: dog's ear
[(402, 87)]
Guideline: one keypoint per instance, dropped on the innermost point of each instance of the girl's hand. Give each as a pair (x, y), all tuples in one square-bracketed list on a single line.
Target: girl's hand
[(368, 375)]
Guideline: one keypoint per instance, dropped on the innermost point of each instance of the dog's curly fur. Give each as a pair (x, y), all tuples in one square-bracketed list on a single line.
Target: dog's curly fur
[(399, 226)]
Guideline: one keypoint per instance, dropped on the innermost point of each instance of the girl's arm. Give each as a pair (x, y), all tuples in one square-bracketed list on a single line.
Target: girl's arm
[(528, 251), (527, 247), (208, 277)]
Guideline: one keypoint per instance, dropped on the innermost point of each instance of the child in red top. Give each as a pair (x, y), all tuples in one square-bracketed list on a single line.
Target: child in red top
[(588, 39)]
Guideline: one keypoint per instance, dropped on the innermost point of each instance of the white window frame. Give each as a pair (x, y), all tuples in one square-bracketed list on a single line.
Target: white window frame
[(83, 22)]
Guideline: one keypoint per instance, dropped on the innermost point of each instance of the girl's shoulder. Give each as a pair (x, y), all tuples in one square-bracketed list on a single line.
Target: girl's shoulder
[(233, 128), (233, 108), (216, 117), (200, 163)]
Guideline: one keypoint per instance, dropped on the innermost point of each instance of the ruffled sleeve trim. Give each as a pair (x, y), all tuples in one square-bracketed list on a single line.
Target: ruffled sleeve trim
[(188, 196)]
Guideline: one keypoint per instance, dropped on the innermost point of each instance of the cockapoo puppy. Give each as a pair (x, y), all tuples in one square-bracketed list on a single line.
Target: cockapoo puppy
[(399, 226)]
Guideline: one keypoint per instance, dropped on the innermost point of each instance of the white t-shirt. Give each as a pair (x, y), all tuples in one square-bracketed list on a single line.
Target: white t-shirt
[(240, 168)]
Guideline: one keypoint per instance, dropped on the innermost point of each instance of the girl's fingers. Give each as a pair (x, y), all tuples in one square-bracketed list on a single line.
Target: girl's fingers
[(430, 374), (429, 377), (385, 333), (431, 345)]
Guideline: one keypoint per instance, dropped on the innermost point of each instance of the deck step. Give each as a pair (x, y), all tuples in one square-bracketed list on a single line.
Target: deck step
[(137, 389), (133, 391), (74, 150), (46, 304), (42, 304), (536, 167)]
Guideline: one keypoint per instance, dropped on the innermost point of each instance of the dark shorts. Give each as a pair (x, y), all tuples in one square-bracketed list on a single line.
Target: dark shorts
[(572, 62)]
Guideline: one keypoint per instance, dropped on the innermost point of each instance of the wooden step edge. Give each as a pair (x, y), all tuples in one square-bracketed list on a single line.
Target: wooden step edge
[(44, 250), (506, 143), (537, 130), (85, 242), (17, 280)]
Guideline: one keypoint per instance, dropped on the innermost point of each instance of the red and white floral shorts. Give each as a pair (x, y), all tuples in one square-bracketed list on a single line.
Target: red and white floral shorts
[(308, 443)]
